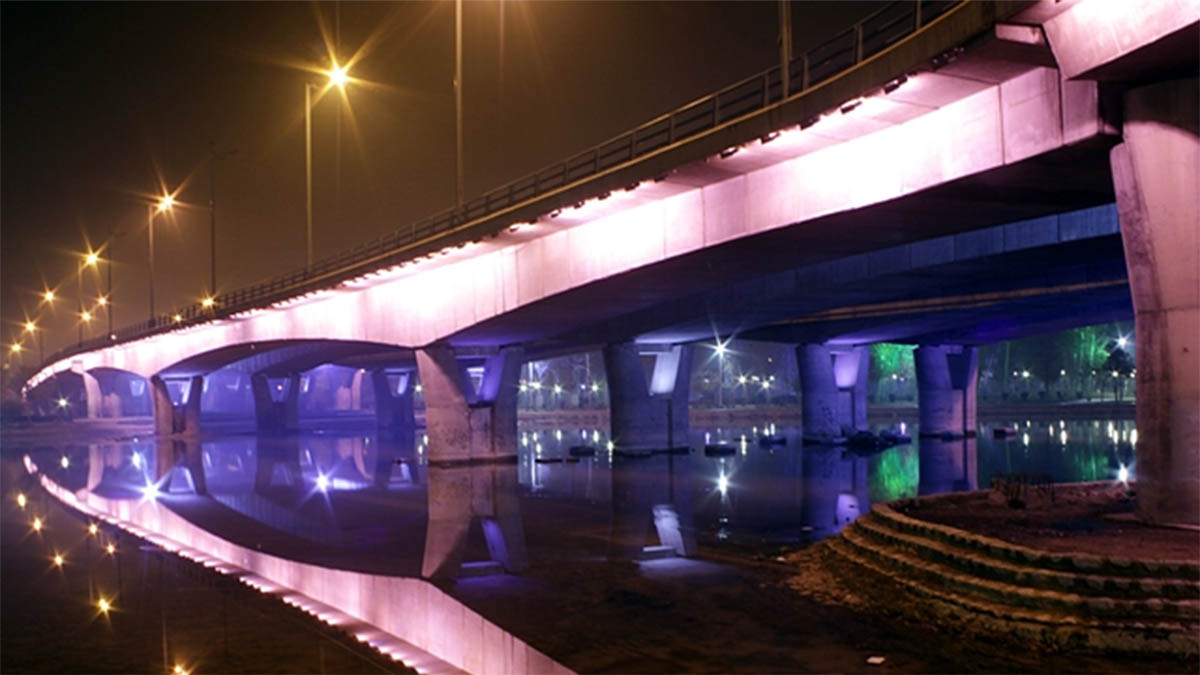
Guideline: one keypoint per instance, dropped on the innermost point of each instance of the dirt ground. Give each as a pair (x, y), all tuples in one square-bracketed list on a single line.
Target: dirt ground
[(1101, 525)]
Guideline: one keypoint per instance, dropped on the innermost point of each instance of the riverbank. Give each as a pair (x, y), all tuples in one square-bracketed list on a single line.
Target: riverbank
[(876, 414), (1065, 581)]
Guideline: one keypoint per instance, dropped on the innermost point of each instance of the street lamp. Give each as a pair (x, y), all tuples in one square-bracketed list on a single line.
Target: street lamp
[(90, 259), (164, 204), (338, 77), (31, 328)]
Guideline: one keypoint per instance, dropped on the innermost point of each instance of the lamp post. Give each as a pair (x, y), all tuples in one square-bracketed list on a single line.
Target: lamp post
[(337, 77), (164, 204), (458, 120), (213, 156)]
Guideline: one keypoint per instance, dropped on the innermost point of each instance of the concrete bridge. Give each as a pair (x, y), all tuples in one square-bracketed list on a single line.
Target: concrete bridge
[(939, 177)]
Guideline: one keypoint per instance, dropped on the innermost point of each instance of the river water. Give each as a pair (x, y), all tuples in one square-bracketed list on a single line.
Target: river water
[(360, 496)]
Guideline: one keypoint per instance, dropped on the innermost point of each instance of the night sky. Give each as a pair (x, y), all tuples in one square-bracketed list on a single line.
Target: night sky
[(105, 105)]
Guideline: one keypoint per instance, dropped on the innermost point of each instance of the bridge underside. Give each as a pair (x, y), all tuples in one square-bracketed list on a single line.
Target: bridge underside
[(679, 299)]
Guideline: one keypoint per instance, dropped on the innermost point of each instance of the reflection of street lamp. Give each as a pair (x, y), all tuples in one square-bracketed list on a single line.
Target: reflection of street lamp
[(338, 77), (164, 204)]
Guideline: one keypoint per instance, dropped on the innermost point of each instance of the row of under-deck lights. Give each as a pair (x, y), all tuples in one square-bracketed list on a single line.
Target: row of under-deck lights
[(843, 109)]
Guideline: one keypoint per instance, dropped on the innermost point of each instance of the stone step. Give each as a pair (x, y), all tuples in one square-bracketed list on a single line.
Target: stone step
[(899, 558), (1180, 570), (980, 564), (1047, 629)]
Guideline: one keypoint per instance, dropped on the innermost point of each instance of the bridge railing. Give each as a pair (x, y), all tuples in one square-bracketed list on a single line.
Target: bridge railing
[(871, 35)]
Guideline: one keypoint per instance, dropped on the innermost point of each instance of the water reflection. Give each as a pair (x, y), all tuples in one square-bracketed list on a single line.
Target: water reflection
[(373, 501)]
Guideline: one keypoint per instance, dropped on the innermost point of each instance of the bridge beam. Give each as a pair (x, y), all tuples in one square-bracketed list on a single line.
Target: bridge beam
[(833, 390), (653, 415), (1154, 173), (947, 377)]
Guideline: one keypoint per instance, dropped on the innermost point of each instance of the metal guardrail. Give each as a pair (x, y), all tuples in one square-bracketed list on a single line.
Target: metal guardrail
[(863, 40)]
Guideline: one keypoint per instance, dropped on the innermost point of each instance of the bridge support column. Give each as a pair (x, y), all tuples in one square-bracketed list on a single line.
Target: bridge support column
[(176, 419), (393, 405), (648, 416), (472, 459), (833, 390), (463, 423), (947, 376), (276, 415), (1154, 173), (93, 395)]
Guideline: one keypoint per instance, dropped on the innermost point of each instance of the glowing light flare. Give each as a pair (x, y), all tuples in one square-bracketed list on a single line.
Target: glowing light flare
[(1122, 341), (165, 203), (723, 484), (91, 258), (30, 326), (22, 500), (37, 524), (338, 76), (85, 315), (110, 549), (207, 302), (48, 296), (93, 529), (59, 560), (102, 301), (322, 482), (15, 348), (150, 491), (103, 605), (65, 462)]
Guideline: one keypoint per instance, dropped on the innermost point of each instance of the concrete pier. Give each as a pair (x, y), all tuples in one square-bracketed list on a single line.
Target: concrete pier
[(472, 457), (463, 421), (275, 410), (648, 411), (393, 403), (183, 418), (1154, 173), (833, 390), (947, 378)]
